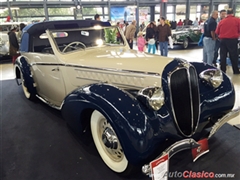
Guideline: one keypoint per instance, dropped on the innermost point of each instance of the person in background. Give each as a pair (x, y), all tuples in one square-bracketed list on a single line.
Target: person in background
[(195, 23), (13, 44), (97, 17), (209, 39), (130, 33), (141, 42), (163, 31), (119, 37), (19, 35), (142, 26), (150, 37), (223, 14), (180, 23), (228, 31)]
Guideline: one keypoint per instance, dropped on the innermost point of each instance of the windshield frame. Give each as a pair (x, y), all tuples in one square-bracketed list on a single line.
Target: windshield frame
[(105, 44)]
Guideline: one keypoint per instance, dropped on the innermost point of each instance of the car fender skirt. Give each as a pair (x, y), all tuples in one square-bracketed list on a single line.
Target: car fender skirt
[(121, 109)]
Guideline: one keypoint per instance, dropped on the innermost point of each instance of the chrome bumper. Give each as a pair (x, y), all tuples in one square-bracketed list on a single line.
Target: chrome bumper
[(223, 120), (191, 143), (173, 149)]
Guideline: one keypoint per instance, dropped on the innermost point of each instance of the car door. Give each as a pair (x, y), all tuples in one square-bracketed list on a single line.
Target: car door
[(48, 78)]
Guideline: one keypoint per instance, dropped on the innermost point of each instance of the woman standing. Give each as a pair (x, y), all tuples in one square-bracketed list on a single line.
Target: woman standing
[(13, 44)]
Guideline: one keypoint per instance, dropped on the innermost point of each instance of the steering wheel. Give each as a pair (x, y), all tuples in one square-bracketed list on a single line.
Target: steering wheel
[(70, 45)]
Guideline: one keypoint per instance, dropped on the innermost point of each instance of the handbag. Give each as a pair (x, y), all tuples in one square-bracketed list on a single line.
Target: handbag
[(151, 41)]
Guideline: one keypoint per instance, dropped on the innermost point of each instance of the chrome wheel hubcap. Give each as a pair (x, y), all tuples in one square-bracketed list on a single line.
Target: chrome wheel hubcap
[(109, 141)]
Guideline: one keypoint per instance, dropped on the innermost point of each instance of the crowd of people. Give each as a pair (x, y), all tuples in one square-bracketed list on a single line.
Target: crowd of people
[(221, 33)]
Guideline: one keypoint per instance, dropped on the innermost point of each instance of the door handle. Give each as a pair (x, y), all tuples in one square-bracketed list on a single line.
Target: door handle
[(55, 69)]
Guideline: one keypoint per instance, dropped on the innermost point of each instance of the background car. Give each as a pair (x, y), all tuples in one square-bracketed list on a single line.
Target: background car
[(186, 35), (133, 104)]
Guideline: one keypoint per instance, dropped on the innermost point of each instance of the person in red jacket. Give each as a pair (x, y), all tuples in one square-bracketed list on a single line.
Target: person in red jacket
[(180, 23), (228, 32)]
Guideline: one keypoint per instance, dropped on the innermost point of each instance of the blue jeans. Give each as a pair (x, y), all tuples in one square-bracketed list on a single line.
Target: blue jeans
[(208, 50), (163, 48), (217, 46), (151, 47)]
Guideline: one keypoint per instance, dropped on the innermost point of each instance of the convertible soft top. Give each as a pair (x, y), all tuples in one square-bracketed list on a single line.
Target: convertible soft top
[(36, 29), (39, 28)]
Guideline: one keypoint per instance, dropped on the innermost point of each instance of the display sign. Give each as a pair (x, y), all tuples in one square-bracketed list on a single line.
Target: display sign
[(200, 150), (159, 168)]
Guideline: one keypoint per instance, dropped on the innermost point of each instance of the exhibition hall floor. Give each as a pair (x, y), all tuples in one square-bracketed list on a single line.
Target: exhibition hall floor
[(36, 144)]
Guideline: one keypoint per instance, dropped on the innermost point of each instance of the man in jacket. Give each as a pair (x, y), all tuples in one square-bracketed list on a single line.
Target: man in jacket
[(228, 31), (130, 33), (163, 31)]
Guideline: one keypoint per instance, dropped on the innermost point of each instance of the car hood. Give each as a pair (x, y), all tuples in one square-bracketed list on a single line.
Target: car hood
[(118, 59)]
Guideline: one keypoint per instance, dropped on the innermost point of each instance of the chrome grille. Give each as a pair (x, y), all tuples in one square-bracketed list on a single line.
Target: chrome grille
[(184, 95)]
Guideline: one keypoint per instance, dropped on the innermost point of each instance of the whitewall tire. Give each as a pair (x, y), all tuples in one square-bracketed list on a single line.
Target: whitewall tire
[(27, 94), (107, 143)]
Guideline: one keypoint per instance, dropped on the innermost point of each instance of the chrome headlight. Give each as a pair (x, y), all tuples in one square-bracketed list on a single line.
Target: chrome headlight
[(177, 36), (214, 77), (153, 97)]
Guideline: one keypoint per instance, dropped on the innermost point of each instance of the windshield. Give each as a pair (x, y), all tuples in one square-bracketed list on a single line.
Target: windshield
[(85, 38)]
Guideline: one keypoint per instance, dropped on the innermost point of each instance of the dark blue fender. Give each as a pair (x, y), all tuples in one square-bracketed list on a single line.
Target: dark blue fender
[(24, 67), (139, 129)]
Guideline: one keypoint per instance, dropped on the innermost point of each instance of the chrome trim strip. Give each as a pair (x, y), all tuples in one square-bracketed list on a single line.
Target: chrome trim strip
[(95, 68), (185, 65), (171, 150), (223, 120), (48, 103), (117, 84), (107, 73)]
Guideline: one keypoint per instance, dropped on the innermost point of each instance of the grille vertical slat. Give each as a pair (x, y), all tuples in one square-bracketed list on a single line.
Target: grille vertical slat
[(185, 99)]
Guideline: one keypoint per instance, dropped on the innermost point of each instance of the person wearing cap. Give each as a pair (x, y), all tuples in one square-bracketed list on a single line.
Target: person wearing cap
[(13, 44), (228, 31)]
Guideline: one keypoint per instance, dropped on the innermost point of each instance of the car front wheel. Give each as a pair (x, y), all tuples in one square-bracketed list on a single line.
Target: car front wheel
[(108, 144)]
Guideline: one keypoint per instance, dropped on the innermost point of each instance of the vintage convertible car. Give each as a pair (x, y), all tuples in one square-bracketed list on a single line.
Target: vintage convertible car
[(136, 105), (186, 35)]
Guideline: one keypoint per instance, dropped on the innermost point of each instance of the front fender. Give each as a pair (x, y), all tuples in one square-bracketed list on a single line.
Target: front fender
[(122, 110), (22, 66)]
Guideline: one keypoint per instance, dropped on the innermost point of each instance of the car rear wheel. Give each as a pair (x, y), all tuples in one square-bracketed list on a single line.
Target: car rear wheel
[(27, 94), (185, 43), (108, 144)]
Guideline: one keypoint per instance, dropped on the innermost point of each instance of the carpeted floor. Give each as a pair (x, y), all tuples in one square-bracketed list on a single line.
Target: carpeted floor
[(36, 144)]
